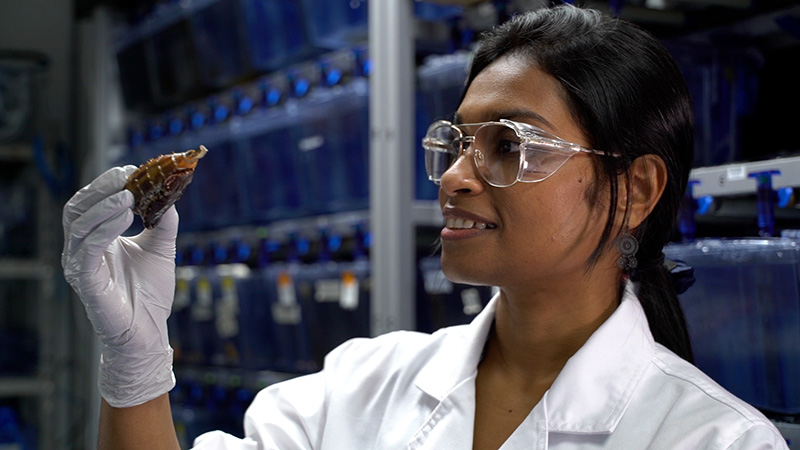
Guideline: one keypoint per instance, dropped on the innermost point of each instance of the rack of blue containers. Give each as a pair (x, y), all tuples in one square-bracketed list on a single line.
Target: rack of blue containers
[(300, 150), (274, 314), (183, 49), (743, 315), (282, 305), (278, 92)]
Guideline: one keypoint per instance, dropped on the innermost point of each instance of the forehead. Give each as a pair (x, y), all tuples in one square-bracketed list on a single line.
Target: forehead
[(514, 88)]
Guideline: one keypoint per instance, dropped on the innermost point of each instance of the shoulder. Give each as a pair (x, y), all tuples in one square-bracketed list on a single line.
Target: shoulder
[(693, 384), (398, 350), (360, 378), (691, 408)]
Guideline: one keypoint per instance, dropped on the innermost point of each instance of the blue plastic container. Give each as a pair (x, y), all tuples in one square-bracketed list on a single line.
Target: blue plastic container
[(18, 219), (136, 74), (229, 285), (743, 315), (331, 148), (179, 322), (18, 336), (14, 433), (258, 340), (217, 190), (219, 42), (446, 303), (21, 352), (440, 82), (192, 332), (721, 84), (433, 13), (276, 32), (334, 24), (289, 317), (336, 296), (272, 189), (177, 72), (204, 327), (201, 402)]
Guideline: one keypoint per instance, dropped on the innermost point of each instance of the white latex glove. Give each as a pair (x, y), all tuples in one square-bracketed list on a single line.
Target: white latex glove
[(126, 284)]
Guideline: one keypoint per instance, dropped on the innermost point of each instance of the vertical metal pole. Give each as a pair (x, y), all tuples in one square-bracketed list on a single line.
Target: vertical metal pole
[(391, 46), (97, 70)]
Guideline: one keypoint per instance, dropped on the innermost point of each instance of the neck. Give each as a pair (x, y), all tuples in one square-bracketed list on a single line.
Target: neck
[(538, 329)]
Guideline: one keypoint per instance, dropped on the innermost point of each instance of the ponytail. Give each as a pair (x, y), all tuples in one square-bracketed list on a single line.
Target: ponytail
[(659, 301)]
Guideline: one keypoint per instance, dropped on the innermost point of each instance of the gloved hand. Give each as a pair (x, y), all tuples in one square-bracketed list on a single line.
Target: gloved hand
[(126, 284)]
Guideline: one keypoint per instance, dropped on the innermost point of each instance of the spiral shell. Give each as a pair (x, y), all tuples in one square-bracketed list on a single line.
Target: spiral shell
[(159, 183)]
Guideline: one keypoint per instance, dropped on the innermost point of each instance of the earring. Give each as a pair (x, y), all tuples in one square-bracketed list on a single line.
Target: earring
[(627, 245)]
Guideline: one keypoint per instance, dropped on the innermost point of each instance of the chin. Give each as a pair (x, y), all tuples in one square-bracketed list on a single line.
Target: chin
[(463, 271)]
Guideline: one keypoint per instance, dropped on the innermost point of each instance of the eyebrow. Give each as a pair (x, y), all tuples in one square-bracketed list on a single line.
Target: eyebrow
[(511, 114)]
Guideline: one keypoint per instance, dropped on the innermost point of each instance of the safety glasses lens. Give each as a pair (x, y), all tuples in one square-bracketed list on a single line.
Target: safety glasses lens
[(541, 161), (441, 150), (497, 154)]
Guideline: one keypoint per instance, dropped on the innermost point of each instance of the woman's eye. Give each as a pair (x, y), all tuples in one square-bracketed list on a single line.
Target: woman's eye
[(505, 146)]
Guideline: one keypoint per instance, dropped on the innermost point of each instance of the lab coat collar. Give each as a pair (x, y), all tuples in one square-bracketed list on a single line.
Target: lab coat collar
[(596, 385), (463, 349), (593, 389)]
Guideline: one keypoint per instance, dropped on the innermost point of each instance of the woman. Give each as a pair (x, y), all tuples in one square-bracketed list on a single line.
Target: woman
[(571, 148)]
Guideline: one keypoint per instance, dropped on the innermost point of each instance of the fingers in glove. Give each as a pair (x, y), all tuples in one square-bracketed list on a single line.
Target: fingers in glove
[(160, 239), (110, 182), (92, 232)]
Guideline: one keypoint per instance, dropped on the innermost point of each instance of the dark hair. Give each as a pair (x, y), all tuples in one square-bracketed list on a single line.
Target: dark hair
[(628, 96)]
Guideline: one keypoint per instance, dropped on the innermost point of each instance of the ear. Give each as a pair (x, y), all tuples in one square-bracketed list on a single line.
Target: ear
[(647, 178)]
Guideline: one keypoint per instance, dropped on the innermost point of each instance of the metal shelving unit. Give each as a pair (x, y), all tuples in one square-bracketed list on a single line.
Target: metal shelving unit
[(734, 179), (393, 213), (391, 113), (39, 269)]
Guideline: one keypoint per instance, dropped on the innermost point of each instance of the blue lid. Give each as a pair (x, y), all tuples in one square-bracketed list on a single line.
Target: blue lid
[(219, 254), (155, 131), (244, 104), (785, 196), (333, 77), (240, 251), (301, 87), (175, 126)]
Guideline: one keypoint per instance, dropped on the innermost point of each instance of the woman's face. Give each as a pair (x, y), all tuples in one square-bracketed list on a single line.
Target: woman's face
[(534, 232)]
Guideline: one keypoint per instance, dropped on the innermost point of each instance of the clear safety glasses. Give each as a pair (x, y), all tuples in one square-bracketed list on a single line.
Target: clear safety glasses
[(504, 151)]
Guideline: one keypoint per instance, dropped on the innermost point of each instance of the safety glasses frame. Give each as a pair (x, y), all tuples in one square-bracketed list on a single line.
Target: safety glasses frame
[(531, 138)]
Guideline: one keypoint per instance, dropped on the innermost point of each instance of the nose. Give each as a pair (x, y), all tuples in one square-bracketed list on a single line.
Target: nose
[(462, 177)]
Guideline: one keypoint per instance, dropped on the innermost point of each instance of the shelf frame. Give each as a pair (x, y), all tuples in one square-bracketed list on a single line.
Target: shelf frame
[(25, 269), (19, 386), (733, 179), (391, 116)]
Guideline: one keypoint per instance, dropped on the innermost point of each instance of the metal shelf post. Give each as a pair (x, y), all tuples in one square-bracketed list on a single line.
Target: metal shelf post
[(391, 169)]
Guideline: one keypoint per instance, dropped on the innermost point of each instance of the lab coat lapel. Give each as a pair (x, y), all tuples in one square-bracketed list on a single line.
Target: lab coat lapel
[(450, 426), (596, 385), (450, 380)]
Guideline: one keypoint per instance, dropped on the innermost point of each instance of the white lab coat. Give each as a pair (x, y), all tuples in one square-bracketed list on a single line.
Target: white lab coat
[(621, 390)]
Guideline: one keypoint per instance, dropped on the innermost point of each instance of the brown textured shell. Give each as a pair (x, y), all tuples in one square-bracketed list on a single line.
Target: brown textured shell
[(159, 183)]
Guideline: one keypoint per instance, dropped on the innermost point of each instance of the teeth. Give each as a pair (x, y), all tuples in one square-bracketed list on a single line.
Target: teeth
[(465, 224)]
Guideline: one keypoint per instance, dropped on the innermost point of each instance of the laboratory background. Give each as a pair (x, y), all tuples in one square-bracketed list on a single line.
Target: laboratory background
[(311, 221)]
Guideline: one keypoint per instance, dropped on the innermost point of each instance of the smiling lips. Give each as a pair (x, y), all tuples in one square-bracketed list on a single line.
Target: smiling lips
[(461, 224)]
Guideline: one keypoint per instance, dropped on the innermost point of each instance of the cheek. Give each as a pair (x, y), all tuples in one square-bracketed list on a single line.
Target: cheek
[(569, 212)]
